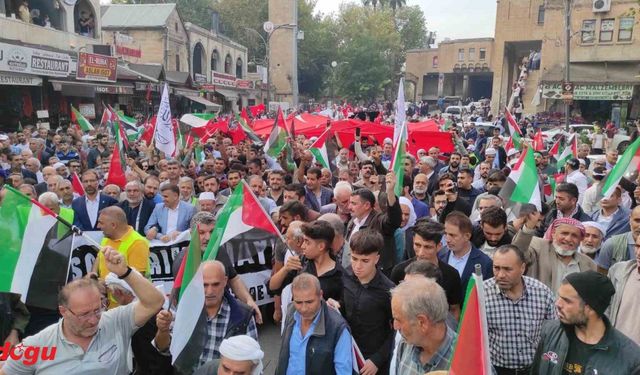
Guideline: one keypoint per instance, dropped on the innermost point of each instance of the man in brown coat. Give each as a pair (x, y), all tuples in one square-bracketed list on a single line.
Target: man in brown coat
[(555, 256)]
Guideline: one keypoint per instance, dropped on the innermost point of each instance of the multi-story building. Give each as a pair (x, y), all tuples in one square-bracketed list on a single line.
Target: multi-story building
[(457, 68), (604, 59), (39, 45)]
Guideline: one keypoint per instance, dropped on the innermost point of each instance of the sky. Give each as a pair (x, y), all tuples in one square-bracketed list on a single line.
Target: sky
[(455, 19)]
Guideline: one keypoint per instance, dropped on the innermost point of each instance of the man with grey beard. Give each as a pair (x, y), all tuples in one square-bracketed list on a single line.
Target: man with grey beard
[(593, 237), (137, 207), (555, 256)]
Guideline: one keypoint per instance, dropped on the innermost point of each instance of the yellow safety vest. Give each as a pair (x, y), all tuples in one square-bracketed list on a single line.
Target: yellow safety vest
[(123, 249)]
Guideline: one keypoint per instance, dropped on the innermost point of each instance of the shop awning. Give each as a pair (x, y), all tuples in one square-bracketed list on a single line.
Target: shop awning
[(228, 94), (204, 102), (15, 79), (89, 89)]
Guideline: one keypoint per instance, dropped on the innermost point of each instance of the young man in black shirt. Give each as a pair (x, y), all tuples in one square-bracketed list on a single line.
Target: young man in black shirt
[(366, 304), (427, 242)]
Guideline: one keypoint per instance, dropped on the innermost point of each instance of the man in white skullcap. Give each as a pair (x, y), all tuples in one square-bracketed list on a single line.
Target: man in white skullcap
[(593, 238), (239, 355)]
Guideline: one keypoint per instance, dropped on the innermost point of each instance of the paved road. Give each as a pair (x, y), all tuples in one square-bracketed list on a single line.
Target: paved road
[(269, 338)]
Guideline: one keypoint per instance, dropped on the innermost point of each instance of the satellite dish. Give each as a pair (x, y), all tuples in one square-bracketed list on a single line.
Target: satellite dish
[(268, 27)]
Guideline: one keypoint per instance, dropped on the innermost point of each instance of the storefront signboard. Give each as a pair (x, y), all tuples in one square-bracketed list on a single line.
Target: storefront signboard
[(94, 67), (20, 59), (224, 80), (12, 79), (590, 91)]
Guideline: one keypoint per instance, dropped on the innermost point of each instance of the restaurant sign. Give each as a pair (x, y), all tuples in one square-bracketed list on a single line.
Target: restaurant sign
[(590, 91), (12, 79), (19, 59), (224, 80), (93, 67)]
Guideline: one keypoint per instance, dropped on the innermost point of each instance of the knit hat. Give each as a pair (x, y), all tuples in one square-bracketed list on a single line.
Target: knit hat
[(594, 288)]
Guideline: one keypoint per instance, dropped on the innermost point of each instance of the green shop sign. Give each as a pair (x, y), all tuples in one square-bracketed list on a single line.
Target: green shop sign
[(590, 91)]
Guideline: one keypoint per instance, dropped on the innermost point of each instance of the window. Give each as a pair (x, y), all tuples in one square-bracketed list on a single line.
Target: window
[(461, 54), (177, 63), (606, 29), (483, 53), (434, 61), (626, 29), (472, 54), (227, 64), (588, 31), (541, 15), (239, 68), (215, 57)]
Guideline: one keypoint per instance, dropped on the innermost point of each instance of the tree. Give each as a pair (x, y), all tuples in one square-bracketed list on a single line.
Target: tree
[(373, 3), (238, 15)]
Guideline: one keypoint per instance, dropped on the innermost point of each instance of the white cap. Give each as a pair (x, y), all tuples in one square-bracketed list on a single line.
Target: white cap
[(58, 165), (490, 151), (207, 196), (3, 137), (512, 151), (596, 225)]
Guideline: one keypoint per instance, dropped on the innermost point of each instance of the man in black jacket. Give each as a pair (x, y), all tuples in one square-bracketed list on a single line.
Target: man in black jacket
[(366, 305), (565, 205), (492, 231), (583, 340), (137, 208)]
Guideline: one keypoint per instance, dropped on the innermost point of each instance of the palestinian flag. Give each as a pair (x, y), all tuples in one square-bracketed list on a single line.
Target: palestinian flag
[(197, 120), (514, 129), (34, 260), (243, 120), (277, 140), (189, 329), (509, 145), (522, 183), (242, 214), (319, 150), (471, 353), (80, 120), (570, 151), (397, 160), (629, 162), (554, 152)]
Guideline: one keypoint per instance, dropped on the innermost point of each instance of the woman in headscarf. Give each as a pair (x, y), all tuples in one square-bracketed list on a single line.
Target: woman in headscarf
[(408, 221)]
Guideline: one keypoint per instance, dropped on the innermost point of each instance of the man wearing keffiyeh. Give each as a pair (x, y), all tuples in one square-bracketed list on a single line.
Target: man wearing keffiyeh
[(555, 256)]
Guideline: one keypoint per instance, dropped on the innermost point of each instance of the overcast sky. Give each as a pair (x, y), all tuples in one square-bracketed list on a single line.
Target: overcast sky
[(453, 19)]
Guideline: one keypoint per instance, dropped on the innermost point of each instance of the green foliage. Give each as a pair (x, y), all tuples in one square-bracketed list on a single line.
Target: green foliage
[(238, 15)]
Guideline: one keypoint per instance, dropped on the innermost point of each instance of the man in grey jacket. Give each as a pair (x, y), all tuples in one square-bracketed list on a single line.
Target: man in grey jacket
[(625, 305)]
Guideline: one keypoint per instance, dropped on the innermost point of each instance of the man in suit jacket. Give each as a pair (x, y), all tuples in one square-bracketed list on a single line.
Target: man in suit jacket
[(460, 252), (86, 208), (316, 195), (17, 166), (171, 217), (137, 208)]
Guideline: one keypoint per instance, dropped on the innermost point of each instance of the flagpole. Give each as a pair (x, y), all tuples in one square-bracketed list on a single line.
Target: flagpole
[(48, 211)]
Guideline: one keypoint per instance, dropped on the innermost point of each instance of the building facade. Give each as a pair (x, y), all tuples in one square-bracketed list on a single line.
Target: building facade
[(457, 68), (527, 55)]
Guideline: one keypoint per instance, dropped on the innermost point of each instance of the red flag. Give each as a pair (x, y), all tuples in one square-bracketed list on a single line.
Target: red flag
[(257, 109), (509, 144), (245, 116), (538, 143), (149, 129), (148, 96), (116, 174), (555, 149), (76, 184)]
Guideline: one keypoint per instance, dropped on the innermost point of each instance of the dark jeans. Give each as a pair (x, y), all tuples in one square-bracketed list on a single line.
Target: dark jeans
[(512, 371)]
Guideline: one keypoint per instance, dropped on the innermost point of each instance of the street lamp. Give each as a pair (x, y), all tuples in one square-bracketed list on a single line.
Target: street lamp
[(567, 75), (270, 29)]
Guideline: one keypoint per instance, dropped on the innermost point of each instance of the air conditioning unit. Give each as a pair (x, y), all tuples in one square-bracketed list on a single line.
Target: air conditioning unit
[(601, 6)]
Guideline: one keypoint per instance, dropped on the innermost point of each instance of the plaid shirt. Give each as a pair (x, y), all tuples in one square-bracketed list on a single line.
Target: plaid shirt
[(409, 357), (216, 331), (514, 326)]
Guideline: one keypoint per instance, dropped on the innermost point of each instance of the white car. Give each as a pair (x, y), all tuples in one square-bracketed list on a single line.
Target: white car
[(454, 112)]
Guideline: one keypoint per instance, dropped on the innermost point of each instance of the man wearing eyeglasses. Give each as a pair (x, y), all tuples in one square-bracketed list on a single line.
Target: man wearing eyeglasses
[(89, 340)]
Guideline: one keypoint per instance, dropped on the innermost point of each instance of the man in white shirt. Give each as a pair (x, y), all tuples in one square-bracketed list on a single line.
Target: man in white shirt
[(574, 176)]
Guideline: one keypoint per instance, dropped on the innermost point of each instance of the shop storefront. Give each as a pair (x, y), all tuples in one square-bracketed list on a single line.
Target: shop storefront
[(596, 101), (22, 91)]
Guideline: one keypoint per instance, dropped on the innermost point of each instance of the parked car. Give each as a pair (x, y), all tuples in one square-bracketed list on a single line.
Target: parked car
[(454, 112)]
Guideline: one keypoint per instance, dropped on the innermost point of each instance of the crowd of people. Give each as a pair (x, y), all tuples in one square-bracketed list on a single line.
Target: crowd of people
[(358, 261)]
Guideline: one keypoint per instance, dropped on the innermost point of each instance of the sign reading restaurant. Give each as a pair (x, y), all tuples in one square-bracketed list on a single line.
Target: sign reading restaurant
[(590, 91), (19, 59)]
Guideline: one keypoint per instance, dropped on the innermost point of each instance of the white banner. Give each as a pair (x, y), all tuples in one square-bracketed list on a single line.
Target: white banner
[(165, 140)]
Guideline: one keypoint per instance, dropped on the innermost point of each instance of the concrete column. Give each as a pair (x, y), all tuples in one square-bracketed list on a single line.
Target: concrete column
[(440, 84), (465, 86)]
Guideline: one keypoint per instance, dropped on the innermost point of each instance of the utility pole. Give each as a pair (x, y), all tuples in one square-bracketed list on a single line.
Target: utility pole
[(567, 63)]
